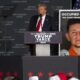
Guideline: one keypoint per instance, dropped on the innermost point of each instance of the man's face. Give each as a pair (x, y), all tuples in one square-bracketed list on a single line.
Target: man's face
[(74, 35), (42, 10)]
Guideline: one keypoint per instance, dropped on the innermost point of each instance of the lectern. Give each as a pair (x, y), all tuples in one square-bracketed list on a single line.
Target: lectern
[(42, 41)]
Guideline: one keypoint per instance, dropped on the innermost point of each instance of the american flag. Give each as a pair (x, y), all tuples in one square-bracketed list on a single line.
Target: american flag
[(77, 5)]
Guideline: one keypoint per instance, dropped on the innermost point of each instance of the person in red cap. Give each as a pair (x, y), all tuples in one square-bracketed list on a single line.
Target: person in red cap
[(59, 76)]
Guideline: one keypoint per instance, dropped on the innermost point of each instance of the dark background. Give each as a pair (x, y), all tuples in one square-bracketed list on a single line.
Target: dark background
[(73, 2), (11, 65)]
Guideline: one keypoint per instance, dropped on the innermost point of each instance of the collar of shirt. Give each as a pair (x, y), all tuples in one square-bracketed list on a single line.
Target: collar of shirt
[(72, 52)]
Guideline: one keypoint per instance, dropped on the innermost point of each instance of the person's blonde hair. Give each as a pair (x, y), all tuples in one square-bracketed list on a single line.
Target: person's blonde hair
[(42, 5)]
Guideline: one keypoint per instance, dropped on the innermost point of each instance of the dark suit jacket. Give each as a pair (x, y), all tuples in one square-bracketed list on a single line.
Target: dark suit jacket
[(47, 26)]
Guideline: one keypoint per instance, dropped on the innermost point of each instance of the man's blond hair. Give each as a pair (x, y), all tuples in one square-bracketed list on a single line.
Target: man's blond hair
[(42, 5)]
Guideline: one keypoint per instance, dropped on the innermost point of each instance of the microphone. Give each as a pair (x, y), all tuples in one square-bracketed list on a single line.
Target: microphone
[(40, 15), (64, 52), (34, 78)]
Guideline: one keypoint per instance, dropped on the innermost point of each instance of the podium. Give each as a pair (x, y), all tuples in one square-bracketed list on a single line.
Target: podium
[(42, 37), (42, 41)]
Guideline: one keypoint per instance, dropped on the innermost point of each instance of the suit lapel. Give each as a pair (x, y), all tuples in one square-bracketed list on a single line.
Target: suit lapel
[(45, 23), (35, 22)]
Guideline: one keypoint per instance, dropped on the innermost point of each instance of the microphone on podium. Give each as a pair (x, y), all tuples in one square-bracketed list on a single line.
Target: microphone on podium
[(40, 15), (64, 52)]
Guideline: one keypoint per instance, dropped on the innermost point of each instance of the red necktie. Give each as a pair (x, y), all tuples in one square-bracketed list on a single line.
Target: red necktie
[(38, 25)]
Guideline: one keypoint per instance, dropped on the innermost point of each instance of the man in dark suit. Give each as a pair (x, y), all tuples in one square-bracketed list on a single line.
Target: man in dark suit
[(43, 22)]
